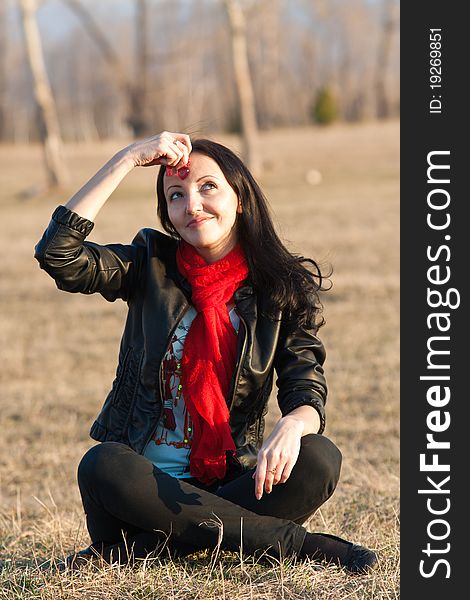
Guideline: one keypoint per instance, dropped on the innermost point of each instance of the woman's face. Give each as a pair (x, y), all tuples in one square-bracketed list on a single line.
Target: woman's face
[(203, 208)]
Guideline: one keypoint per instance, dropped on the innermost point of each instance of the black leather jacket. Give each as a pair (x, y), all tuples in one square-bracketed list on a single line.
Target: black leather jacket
[(144, 274)]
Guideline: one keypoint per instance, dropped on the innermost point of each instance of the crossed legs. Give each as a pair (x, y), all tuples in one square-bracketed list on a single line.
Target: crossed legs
[(122, 491)]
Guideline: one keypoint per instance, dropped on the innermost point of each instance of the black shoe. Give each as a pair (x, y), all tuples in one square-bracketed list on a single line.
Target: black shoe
[(360, 559), (74, 561), (357, 559), (84, 557)]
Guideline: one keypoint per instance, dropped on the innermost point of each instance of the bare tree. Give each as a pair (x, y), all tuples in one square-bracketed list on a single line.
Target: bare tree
[(244, 85), (3, 70), (135, 91), (138, 119), (97, 35), (48, 123), (383, 58)]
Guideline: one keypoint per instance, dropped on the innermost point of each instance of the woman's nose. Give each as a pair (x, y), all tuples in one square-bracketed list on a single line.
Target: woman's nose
[(193, 203)]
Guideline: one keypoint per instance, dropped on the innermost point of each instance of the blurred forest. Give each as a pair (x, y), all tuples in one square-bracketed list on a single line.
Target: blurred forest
[(125, 68)]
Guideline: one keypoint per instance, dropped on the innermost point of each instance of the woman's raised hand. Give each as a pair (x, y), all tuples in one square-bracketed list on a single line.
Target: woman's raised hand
[(169, 149), (166, 148)]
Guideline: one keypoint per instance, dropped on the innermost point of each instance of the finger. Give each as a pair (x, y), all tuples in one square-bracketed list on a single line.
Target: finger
[(278, 473), (184, 160), (183, 143), (178, 152), (260, 477), (162, 159), (276, 466), (186, 153), (270, 477), (287, 470), (172, 155), (167, 146), (184, 139)]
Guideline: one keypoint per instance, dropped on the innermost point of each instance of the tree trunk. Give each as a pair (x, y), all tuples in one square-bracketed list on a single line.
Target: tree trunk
[(135, 93), (275, 101), (138, 101), (244, 86), (108, 52), (48, 123), (383, 59), (3, 70)]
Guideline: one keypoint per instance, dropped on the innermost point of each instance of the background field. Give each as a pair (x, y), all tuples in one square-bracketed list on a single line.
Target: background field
[(58, 356)]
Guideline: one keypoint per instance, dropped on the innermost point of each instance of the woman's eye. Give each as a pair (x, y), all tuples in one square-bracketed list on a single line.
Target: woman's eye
[(175, 195), (208, 186)]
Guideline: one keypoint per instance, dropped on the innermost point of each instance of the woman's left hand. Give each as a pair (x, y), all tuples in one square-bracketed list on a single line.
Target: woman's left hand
[(278, 454)]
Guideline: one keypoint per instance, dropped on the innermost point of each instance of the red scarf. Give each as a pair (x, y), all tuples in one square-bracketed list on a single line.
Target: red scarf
[(209, 356)]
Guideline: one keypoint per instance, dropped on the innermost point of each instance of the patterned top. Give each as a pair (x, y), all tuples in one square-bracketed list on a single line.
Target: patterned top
[(170, 445)]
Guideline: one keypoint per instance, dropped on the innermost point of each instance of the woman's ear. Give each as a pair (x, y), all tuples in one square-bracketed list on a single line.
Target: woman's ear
[(239, 207)]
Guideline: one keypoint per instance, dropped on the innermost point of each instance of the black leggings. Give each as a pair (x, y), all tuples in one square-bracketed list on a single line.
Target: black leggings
[(123, 493)]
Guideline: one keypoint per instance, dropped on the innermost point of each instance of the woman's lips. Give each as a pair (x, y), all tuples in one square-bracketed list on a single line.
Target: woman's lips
[(198, 222)]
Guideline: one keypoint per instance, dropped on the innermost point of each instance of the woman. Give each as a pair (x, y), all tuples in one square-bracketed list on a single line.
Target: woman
[(214, 309)]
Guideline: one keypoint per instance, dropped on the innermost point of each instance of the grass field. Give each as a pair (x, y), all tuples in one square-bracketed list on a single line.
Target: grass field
[(59, 352)]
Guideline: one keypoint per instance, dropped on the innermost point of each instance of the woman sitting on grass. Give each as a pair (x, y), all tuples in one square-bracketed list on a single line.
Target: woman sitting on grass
[(215, 307)]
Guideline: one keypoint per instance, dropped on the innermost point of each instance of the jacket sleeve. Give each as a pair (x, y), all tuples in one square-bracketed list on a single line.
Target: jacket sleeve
[(299, 366), (79, 266)]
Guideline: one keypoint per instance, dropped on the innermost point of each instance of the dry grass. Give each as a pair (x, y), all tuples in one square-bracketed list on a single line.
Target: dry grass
[(59, 351)]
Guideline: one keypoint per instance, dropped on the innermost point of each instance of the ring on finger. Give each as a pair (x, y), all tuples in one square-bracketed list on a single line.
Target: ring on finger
[(272, 471)]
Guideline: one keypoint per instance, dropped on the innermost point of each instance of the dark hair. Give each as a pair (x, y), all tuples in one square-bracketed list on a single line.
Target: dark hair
[(293, 289)]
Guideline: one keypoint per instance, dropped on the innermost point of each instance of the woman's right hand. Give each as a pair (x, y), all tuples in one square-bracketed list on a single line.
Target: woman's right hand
[(169, 149), (166, 148)]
